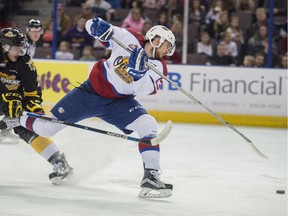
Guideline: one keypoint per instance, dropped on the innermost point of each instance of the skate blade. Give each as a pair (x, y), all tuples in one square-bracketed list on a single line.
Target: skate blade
[(152, 193), (61, 179)]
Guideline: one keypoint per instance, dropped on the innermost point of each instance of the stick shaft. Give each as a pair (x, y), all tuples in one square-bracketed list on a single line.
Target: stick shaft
[(46, 118)]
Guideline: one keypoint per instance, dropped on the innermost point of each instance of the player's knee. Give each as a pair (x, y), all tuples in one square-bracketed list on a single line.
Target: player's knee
[(145, 126), (41, 127)]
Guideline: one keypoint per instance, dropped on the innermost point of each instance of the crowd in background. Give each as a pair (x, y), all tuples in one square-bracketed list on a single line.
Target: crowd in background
[(215, 29)]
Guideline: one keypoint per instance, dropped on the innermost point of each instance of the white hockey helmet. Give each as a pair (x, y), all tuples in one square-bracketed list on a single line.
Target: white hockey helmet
[(164, 34)]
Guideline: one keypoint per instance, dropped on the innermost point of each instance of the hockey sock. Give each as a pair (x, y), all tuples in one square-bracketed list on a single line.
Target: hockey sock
[(150, 156), (44, 146)]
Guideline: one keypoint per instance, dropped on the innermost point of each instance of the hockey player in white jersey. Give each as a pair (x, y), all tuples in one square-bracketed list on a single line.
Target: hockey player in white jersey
[(110, 89)]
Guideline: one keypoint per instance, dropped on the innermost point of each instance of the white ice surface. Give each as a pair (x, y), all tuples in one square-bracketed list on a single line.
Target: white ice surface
[(213, 170)]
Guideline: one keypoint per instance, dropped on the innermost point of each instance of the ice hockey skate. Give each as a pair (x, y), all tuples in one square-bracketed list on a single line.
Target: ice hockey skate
[(7, 136), (9, 123), (152, 187), (62, 170)]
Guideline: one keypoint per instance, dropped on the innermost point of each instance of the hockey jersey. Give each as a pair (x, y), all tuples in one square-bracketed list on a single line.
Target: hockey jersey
[(110, 79), (20, 76)]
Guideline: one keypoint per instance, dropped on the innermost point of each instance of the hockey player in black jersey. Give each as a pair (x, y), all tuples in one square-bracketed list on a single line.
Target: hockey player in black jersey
[(19, 90), (34, 31)]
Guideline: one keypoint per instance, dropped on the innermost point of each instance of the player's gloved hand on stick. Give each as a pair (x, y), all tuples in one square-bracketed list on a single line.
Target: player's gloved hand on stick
[(101, 29), (12, 104), (136, 64), (33, 104)]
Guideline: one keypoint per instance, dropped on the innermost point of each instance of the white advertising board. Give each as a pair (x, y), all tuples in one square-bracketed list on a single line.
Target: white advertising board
[(229, 90)]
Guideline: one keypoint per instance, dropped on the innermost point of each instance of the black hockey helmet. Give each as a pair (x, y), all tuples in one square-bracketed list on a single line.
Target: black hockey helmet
[(12, 37), (34, 24)]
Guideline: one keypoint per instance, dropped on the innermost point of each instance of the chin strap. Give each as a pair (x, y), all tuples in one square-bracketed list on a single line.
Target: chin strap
[(154, 47), (154, 51)]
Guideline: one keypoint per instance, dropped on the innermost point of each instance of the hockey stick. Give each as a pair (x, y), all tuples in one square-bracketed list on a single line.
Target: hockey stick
[(196, 101), (154, 141)]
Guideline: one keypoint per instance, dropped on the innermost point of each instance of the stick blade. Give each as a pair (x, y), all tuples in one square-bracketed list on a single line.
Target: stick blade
[(164, 133), (258, 152)]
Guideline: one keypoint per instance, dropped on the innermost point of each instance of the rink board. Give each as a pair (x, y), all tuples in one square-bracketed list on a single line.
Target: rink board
[(241, 96)]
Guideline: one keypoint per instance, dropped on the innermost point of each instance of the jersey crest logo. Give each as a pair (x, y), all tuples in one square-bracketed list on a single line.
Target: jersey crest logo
[(31, 65), (120, 69), (158, 83), (10, 82)]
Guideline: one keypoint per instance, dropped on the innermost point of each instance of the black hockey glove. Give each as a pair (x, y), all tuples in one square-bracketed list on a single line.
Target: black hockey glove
[(12, 104), (33, 104)]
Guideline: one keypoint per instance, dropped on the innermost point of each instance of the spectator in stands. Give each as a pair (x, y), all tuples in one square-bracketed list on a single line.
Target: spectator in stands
[(163, 19), (261, 19), (284, 61), (153, 4), (237, 35), (85, 12), (63, 53), (221, 25), (139, 5), (222, 57), (214, 12), (245, 5), (259, 41), (63, 23), (231, 45), (147, 25), (249, 61), (197, 13), (177, 29), (211, 17), (102, 8), (235, 30), (77, 36), (136, 4), (134, 21), (282, 43), (47, 36), (260, 59), (204, 46), (172, 7), (88, 54)]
